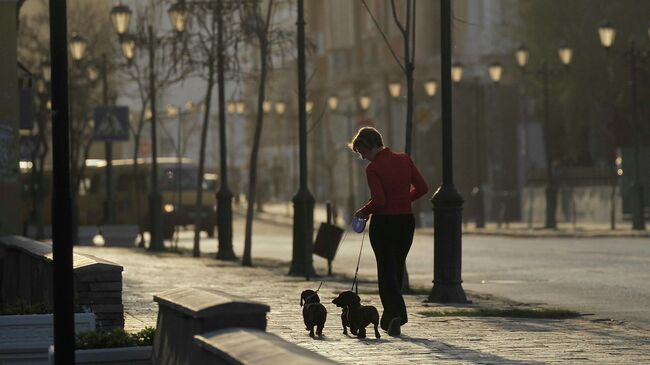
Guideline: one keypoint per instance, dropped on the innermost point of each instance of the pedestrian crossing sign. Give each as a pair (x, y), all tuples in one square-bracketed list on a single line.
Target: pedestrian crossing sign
[(111, 123)]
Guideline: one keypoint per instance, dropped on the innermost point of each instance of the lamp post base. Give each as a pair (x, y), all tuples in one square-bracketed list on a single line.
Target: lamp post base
[(448, 220), (638, 218), (155, 213), (224, 225), (303, 232), (551, 207)]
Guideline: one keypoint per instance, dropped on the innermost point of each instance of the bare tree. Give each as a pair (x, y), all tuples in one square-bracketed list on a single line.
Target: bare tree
[(406, 28), (209, 43), (268, 39)]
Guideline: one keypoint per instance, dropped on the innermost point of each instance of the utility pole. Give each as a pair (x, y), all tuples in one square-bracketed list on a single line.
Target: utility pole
[(62, 273)]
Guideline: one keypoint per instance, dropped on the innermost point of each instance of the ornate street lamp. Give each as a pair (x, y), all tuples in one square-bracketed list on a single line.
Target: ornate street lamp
[(333, 102), (496, 72), (431, 87), (127, 43), (607, 34), (394, 88), (120, 17), (364, 102), (77, 47), (178, 16), (522, 55), (457, 71), (566, 54)]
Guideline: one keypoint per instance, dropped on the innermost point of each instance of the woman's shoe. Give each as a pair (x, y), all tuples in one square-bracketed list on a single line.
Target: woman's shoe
[(394, 327)]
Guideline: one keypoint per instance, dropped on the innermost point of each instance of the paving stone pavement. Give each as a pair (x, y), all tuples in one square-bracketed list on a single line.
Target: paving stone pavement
[(424, 340)]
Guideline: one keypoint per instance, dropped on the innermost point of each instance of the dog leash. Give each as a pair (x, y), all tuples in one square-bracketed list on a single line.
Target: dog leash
[(356, 272), (316, 292)]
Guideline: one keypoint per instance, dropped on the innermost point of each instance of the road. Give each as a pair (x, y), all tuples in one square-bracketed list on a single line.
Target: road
[(609, 278)]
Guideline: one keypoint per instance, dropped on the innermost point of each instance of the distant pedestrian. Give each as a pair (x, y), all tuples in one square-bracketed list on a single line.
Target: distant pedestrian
[(394, 184)]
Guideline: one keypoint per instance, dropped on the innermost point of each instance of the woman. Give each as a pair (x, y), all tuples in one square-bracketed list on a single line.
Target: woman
[(394, 184)]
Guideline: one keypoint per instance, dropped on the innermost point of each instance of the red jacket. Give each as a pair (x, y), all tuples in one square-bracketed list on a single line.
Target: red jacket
[(394, 183)]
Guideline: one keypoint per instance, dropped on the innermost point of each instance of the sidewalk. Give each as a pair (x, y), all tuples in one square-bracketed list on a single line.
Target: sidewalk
[(282, 214), (424, 340)]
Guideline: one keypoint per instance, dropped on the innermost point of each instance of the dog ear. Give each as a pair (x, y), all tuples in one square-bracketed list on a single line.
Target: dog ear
[(356, 299), (301, 300)]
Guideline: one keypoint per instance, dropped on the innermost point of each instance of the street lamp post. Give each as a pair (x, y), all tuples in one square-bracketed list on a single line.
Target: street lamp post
[(447, 202), (607, 35), (522, 56), (303, 201), (62, 238)]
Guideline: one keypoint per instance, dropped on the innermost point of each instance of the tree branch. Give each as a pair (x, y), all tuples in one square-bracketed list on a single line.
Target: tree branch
[(381, 31)]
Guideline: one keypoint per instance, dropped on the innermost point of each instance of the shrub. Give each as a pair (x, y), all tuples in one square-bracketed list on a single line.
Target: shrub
[(114, 338)]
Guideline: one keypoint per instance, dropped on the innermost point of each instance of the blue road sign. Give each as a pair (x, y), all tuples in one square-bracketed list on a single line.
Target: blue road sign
[(111, 123)]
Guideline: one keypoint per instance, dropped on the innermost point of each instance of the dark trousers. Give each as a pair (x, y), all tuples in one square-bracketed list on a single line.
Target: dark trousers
[(391, 237)]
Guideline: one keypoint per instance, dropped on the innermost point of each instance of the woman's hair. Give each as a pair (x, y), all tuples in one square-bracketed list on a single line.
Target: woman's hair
[(367, 138)]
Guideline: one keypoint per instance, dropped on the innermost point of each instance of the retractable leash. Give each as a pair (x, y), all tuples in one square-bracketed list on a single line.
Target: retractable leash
[(356, 272)]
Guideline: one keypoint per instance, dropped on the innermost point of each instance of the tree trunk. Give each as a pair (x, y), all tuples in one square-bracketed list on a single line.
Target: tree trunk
[(196, 252), (252, 176)]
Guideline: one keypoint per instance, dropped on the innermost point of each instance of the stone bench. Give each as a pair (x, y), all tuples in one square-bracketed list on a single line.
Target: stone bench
[(120, 235), (251, 346), (26, 275), (186, 312)]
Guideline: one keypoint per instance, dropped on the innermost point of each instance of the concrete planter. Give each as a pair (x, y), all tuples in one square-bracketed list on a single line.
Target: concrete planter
[(26, 338), (115, 356), (120, 235)]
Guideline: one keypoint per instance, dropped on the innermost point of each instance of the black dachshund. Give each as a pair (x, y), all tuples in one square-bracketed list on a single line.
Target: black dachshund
[(355, 315), (313, 312)]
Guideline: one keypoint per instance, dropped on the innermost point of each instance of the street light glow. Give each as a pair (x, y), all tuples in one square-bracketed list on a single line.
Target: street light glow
[(364, 102), (172, 110), (267, 106), (333, 102), (127, 44), (394, 88), (120, 16), (496, 72), (178, 16), (521, 55), (566, 54), (231, 107), (606, 33), (240, 107), (457, 71), (46, 70), (77, 47), (431, 87), (280, 107), (309, 106), (93, 72)]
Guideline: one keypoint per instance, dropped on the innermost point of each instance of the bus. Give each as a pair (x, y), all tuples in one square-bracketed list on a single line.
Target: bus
[(177, 182)]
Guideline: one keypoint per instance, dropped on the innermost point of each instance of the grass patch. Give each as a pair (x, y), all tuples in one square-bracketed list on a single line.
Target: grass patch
[(542, 313), (103, 339)]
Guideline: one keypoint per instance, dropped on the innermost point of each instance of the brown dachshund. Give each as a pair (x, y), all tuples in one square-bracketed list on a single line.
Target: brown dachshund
[(355, 315)]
